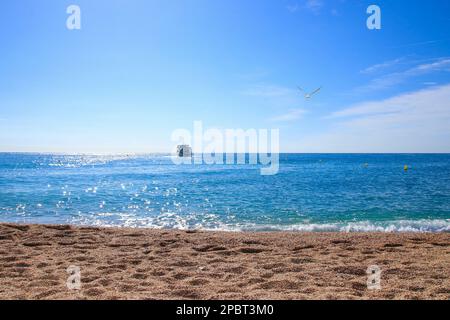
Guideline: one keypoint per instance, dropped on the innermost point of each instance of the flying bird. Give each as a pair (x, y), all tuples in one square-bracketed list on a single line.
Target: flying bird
[(309, 95)]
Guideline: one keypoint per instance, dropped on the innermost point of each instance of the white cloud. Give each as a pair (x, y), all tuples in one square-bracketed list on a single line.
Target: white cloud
[(291, 115), (314, 5), (381, 66), (441, 64), (422, 43), (412, 122), (334, 12), (392, 79), (292, 8)]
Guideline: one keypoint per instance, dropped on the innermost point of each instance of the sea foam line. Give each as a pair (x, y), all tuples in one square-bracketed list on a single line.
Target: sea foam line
[(436, 225), (174, 221)]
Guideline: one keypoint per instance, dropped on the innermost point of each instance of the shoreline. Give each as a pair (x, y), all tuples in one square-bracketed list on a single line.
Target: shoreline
[(126, 263), (430, 226)]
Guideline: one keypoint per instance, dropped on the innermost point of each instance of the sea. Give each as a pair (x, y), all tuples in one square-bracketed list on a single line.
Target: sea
[(311, 192)]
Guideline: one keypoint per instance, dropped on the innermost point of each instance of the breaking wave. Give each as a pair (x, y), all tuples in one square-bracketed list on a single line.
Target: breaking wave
[(211, 223), (363, 226)]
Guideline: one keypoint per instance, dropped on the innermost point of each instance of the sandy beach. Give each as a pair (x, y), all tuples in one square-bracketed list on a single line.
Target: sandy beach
[(161, 264)]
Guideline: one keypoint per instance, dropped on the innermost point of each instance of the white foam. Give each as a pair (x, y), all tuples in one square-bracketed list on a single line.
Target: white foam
[(436, 225), (211, 222)]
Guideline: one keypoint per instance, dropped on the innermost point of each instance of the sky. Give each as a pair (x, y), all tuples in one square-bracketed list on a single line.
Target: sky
[(139, 69)]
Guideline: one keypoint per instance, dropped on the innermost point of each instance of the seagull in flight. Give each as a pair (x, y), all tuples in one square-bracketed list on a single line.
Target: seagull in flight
[(309, 95)]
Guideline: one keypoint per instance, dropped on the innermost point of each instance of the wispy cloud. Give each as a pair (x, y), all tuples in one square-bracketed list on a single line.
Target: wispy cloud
[(422, 43), (292, 8), (406, 102), (412, 122), (314, 6), (395, 78), (381, 66), (291, 115)]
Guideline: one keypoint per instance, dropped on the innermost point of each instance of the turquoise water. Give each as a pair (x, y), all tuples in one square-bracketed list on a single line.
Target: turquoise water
[(320, 192)]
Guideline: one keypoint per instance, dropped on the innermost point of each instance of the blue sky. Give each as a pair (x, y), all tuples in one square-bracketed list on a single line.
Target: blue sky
[(139, 69)]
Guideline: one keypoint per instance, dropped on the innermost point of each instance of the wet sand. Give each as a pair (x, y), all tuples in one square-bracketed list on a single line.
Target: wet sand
[(161, 264)]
